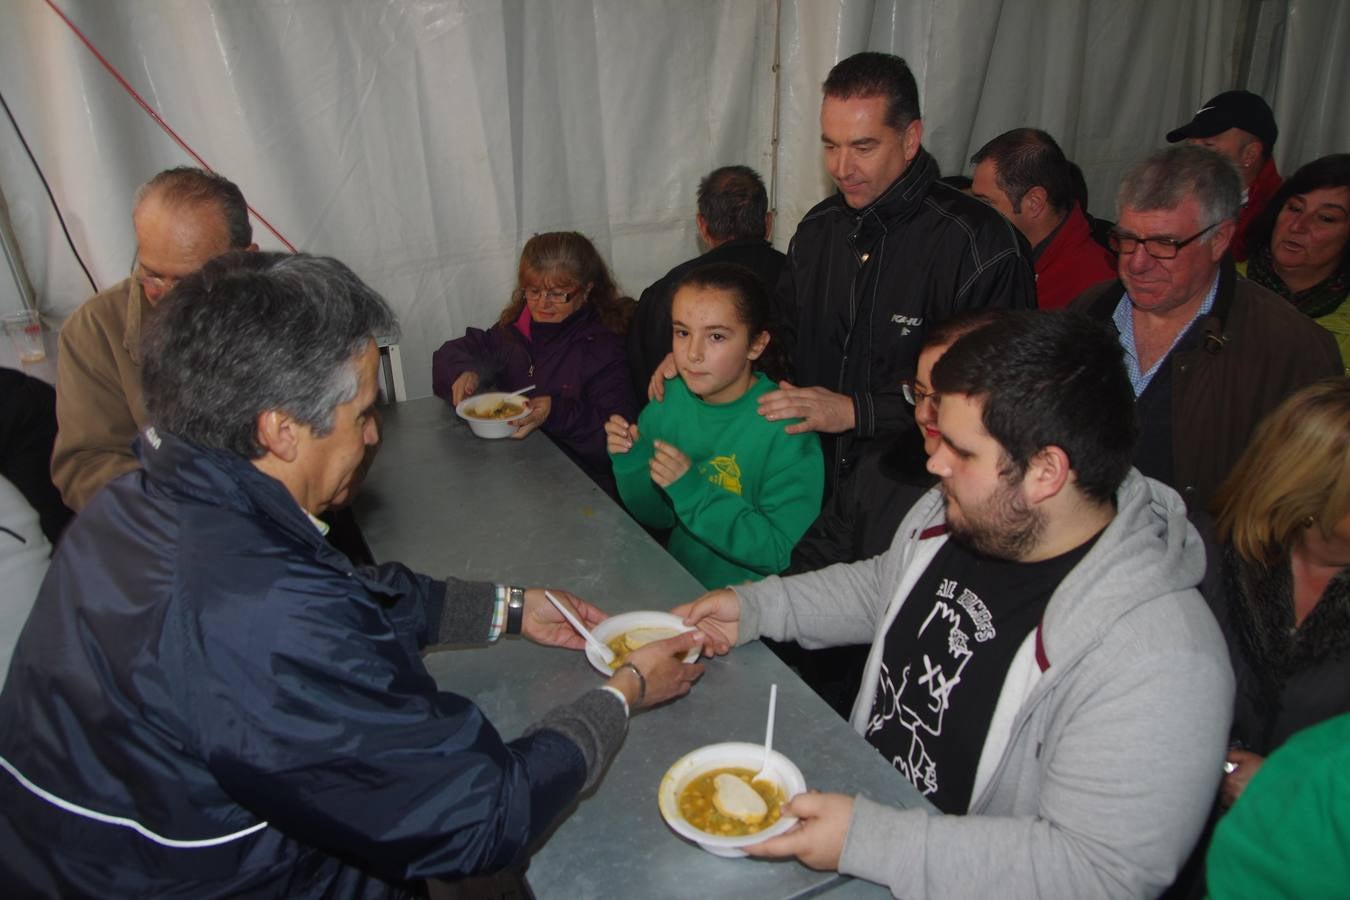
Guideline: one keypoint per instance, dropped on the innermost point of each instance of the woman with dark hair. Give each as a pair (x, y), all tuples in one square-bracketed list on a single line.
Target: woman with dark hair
[(735, 490), (562, 331), (1301, 245)]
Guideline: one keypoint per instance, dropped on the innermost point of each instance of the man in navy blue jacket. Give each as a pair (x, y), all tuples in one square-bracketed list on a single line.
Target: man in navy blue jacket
[(210, 700)]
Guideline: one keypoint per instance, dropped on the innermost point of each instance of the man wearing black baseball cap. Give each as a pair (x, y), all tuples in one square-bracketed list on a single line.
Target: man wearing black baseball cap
[(1239, 126)]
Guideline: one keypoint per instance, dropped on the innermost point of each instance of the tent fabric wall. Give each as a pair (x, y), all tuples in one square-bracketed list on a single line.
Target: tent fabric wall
[(420, 142), (1308, 81), (423, 141)]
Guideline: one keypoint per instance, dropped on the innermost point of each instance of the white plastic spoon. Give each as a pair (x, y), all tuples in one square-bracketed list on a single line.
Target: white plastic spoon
[(523, 391), (768, 736), (605, 653)]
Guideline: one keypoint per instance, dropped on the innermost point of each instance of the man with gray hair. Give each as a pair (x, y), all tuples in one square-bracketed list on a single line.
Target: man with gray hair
[(1208, 353), (182, 217), (208, 699), (734, 225)]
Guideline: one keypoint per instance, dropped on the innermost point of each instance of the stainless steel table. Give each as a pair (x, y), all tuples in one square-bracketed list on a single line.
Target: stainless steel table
[(447, 503)]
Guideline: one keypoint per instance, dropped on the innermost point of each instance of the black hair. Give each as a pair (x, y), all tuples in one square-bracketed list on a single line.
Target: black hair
[(1049, 379), (1025, 158), (733, 203), (1328, 171), (1080, 188), (751, 301), (873, 74), (949, 331), (252, 332)]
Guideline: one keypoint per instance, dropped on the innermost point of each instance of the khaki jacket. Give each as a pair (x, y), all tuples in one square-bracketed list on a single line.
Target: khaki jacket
[(98, 392)]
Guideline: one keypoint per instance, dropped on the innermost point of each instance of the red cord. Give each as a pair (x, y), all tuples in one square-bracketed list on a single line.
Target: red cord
[(154, 115)]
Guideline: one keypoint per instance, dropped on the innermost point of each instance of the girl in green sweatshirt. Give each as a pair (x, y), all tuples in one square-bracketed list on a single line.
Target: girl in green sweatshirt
[(736, 490)]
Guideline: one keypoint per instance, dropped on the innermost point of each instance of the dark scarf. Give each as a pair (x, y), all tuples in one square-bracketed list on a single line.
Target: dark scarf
[(1321, 299), (1261, 611)]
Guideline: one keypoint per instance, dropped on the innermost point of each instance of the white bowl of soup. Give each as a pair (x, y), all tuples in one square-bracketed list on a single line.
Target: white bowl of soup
[(691, 805), (628, 631), (489, 414)]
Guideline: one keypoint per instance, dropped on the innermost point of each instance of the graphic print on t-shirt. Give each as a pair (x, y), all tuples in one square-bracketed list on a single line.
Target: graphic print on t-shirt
[(726, 473), (919, 695), (944, 661)]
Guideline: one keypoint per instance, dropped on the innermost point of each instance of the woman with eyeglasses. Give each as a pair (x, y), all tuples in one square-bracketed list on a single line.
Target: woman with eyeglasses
[(562, 330), (1301, 245)]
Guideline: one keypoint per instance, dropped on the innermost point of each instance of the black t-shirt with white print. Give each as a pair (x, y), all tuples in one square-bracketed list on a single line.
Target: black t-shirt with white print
[(945, 658)]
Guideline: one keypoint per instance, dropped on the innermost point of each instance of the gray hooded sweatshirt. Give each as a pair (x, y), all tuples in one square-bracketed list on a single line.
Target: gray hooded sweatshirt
[(1102, 759)]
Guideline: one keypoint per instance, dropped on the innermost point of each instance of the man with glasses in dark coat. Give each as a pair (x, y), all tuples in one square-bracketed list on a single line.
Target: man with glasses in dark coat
[(1208, 353)]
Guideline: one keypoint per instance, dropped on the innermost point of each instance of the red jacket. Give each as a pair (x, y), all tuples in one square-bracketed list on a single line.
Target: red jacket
[(1260, 191), (1071, 264)]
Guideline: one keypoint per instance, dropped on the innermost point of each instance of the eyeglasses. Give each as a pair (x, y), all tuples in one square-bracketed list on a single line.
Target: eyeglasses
[(534, 295), (1123, 243), (914, 395), (147, 280)]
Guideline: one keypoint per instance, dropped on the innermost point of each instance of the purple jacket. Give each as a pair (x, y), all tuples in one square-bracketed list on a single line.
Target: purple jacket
[(578, 362)]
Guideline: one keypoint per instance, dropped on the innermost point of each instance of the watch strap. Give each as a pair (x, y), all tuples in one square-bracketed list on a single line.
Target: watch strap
[(515, 609)]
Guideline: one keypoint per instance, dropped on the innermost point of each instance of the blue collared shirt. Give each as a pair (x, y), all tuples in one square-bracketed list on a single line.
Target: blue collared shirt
[(1125, 325)]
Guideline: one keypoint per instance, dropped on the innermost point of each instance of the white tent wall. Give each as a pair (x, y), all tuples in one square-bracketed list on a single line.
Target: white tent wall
[(1300, 61), (419, 142), (422, 141)]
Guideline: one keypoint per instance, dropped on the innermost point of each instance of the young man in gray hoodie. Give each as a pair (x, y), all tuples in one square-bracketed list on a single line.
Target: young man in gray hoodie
[(1042, 667)]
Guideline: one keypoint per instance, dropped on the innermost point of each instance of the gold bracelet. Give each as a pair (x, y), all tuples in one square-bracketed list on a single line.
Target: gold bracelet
[(642, 682)]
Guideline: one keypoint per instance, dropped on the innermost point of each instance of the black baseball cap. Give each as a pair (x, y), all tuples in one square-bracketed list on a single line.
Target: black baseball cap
[(1231, 109)]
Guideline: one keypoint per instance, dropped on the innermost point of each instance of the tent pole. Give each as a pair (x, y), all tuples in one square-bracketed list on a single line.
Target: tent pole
[(774, 137), (11, 249)]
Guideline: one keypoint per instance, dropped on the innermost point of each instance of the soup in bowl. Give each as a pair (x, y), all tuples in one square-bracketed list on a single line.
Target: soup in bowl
[(490, 414), (627, 632), (701, 800)]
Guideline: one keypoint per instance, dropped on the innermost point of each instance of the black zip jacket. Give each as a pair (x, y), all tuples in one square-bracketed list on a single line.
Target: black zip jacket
[(861, 287)]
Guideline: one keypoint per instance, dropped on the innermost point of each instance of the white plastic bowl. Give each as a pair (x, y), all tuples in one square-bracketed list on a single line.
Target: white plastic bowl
[(614, 626), (722, 756), (492, 429)]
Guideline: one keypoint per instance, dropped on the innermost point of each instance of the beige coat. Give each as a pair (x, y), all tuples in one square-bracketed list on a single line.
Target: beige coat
[(98, 392)]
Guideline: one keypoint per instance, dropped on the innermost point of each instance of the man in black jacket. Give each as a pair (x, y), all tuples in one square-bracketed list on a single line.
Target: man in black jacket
[(873, 266), (734, 223)]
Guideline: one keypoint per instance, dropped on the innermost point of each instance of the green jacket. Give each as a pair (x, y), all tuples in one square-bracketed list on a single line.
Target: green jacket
[(1286, 837), (750, 493)]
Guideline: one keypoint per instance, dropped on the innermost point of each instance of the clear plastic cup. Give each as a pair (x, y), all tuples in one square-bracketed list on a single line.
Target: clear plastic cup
[(25, 330)]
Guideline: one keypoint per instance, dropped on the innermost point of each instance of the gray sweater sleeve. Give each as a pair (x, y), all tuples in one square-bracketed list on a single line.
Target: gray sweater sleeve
[(596, 723), (463, 614)]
